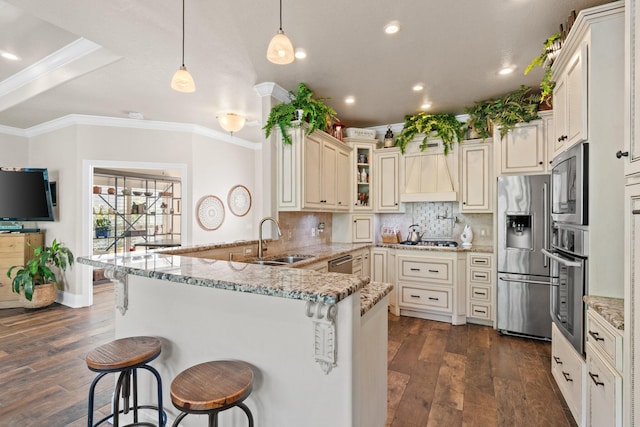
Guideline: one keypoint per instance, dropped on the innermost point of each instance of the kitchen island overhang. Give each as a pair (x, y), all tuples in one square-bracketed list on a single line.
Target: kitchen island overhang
[(318, 341)]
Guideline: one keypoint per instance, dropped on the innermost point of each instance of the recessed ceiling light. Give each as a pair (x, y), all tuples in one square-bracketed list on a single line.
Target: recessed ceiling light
[(425, 105), (9, 56), (418, 87), (349, 100), (300, 53), (506, 70), (136, 115), (392, 27)]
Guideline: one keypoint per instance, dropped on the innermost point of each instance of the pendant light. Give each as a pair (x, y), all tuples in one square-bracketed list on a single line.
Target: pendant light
[(182, 80), (280, 50)]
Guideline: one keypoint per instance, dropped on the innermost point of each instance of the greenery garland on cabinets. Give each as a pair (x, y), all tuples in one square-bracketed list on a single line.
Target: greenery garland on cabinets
[(515, 107), (443, 126), (314, 111), (549, 53)]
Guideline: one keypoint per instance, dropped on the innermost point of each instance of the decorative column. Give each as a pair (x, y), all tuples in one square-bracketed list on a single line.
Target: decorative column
[(324, 327)]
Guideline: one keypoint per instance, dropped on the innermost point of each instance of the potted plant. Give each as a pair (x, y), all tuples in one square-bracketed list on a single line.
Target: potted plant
[(36, 281), (515, 107), (443, 126), (102, 226), (302, 108), (550, 51)]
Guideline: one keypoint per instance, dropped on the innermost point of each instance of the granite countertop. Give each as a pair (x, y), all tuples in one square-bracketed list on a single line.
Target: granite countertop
[(484, 249), (611, 309), (371, 294)]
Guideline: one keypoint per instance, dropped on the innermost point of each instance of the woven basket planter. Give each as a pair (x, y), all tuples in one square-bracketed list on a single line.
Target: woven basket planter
[(43, 296)]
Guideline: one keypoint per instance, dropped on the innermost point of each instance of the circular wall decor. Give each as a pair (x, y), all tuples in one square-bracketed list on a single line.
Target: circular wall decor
[(210, 212), (239, 200)]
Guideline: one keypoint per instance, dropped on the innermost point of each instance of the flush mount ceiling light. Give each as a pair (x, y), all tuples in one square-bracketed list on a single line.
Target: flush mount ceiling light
[(425, 105), (231, 122), (349, 100), (182, 80), (280, 50), (392, 27), (418, 87)]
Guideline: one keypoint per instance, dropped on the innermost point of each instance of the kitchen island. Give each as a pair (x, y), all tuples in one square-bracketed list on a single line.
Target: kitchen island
[(318, 342)]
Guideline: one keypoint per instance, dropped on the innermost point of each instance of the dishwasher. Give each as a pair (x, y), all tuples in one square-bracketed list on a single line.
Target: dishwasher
[(342, 264)]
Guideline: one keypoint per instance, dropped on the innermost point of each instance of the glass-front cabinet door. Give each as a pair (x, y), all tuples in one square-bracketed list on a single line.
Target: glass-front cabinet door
[(363, 173)]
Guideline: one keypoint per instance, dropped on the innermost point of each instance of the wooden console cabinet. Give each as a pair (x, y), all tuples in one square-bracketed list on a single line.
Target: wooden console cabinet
[(15, 249)]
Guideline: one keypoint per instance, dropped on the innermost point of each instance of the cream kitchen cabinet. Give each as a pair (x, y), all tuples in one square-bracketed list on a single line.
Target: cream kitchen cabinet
[(604, 373), (361, 264), (383, 270), (362, 174), (480, 288), (431, 285), (387, 184), (313, 172), (522, 150), (320, 267), (570, 102), (551, 144), (568, 369), (352, 228), (476, 177)]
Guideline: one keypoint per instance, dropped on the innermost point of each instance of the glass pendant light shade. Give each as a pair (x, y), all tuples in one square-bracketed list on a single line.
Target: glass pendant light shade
[(231, 122), (280, 50), (182, 81)]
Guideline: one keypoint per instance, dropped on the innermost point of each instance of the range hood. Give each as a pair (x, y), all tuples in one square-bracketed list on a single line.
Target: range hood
[(429, 176)]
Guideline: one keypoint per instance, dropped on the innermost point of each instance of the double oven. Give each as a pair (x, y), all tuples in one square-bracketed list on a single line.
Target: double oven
[(568, 251)]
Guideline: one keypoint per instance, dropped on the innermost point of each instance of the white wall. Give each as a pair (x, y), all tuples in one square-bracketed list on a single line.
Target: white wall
[(13, 150), (212, 167)]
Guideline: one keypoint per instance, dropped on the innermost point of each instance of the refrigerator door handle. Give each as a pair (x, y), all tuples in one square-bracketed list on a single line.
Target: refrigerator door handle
[(532, 282), (561, 260), (545, 220)]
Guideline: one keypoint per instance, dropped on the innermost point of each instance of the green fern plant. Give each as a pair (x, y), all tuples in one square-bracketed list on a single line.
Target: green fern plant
[(315, 112), (545, 59), (515, 107), (443, 126)]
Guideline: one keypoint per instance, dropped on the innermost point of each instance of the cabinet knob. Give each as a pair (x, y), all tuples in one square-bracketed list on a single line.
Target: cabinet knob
[(540, 163), (621, 154)]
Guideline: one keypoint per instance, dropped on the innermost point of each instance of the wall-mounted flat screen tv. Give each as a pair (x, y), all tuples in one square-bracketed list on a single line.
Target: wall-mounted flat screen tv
[(25, 195)]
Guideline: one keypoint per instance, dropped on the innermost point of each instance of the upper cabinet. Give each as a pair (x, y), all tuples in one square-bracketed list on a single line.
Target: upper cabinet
[(522, 150), (313, 173), (362, 174), (570, 102), (387, 186), (475, 177)]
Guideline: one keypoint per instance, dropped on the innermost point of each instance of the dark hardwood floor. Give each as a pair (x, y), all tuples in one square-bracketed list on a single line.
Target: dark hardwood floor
[(439, 375)]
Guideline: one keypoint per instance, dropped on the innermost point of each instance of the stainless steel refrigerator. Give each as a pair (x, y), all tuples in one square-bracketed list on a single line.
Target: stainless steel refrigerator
[(523, 271)]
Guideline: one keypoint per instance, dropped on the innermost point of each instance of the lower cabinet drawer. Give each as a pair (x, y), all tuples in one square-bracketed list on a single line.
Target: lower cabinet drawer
[(604, 392), (480, 293), (426, 298), (480, 311), (568, 369)]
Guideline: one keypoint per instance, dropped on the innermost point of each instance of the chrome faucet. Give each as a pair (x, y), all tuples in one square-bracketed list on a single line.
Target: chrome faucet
[(261, 247)]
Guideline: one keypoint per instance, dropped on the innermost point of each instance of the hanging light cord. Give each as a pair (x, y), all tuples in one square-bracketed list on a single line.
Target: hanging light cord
[(280, 15), (183, 32)]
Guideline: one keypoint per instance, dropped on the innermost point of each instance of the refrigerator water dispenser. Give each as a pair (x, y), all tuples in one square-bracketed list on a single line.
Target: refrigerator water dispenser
[(519, 235)]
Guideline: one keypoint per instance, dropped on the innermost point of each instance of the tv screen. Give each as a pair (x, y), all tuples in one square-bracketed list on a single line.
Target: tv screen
[(25, 195)]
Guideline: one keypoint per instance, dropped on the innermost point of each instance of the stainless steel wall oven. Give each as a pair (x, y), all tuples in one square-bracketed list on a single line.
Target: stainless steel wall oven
[(569, 261), (569, 186)]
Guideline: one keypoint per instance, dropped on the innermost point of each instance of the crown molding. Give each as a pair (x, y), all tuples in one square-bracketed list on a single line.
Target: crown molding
[(274, 90), (86, 120)]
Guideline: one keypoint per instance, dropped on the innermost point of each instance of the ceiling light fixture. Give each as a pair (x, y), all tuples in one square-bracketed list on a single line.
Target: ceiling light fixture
[(280, 50), (349, 100), (300, 53), (425, 105), (392, 27), (182, 80), (506, 70), (10, 56), (231, 122), (418, 87)]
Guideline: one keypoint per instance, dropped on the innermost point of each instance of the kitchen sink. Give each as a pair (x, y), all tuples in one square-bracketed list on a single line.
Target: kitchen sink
[(290, 259), (267, 262)]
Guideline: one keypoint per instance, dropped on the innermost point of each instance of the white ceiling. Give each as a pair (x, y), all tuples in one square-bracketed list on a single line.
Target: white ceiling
[(454, 47)]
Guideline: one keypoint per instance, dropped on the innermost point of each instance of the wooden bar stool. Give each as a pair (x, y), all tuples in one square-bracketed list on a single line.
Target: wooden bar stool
[(125, 356), (212, 387)]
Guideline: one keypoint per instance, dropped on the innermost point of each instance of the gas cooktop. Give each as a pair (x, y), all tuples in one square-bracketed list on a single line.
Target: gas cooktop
[(437, 243)]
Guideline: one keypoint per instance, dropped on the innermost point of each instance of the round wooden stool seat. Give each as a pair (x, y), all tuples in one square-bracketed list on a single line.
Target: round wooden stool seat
[(212, 387), (123, 353)]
